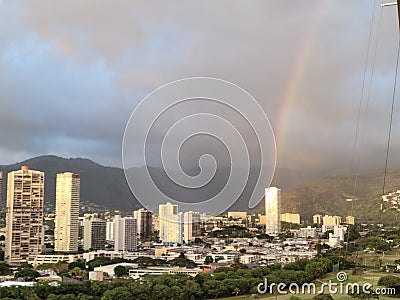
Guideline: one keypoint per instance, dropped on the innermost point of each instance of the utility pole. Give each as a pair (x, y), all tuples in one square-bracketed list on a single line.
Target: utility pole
[(391, 4)]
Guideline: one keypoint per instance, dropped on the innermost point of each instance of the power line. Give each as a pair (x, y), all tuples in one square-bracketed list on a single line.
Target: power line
[(391, 119)]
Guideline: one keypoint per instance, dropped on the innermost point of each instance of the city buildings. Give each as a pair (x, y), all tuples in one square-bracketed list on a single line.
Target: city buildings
[(170, 223), (94, 234), (191, 226), (237, 215), (331, 220), (110, 231), (307, 232), (54, 258), (272, 211), (125, 233), (1, 184), (261, 219), (66, 223), (144, 223), (290, 218), (24, 216), (317, 219), (350, 220)]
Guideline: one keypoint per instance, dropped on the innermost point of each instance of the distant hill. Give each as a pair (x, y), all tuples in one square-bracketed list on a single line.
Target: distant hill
[(307, 192), (328, 195), (105, 186)]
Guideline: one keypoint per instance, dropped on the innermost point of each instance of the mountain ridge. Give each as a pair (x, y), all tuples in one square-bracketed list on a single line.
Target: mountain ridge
[(304, 191)]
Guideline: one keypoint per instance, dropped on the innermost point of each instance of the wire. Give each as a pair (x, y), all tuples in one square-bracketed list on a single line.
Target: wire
[(391, 119), (354, 163)]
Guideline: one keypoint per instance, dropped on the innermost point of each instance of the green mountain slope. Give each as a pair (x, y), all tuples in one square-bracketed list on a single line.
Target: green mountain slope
[(328, 195), (105, 186)]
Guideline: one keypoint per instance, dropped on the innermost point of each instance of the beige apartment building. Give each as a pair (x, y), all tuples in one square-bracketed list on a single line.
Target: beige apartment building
[(94, 234), (191, 226), (1, 183), (144, 223), (67, 212), (170, 223), (291, 218), (24, 216), (125, 233), (272, 211)]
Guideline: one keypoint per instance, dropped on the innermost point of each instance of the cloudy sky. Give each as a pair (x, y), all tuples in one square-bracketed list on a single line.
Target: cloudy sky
[(71, 72)]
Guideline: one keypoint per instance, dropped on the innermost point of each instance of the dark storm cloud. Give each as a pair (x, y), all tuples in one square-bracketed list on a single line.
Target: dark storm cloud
[(71, 72)]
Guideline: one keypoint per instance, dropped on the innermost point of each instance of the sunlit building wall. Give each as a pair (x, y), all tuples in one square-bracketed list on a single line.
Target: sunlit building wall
[(170, 223), (272, 211), (66, 224), (24, 216), (290, 218)]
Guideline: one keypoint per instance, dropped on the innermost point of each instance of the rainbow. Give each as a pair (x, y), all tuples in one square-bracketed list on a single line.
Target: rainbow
[(294, 80)]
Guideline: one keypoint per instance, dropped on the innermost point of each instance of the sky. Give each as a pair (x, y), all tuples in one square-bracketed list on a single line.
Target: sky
[(72, 72)]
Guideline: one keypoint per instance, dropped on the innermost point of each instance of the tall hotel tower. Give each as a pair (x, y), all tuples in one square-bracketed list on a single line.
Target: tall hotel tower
[(170, 223), (272, 211), (67, 212), (144, 223), (24, 217), (1, 185), (125, 233)]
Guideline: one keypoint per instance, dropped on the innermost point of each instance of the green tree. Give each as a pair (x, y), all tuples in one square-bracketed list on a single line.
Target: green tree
[(120, 271), (326, 234), (362, 295), (182, 261), (120, 293), (352, 233), (27, 273), (390, 281), (24, 266), (5, 269), (208, 259), (77, 272), (67, 297), (323, 297), (77, 264), (45, 267)]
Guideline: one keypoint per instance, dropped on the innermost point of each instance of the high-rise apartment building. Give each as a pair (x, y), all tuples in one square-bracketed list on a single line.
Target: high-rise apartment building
[(331, 220), (290, 218), (66, 223), (237, 215), (144, 223), (125, 233), (94, 234), (191, 226), (1, 185), (350, 220), (272, 211), (170, 223), (110, 231), (24, 216), (317, 219)]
